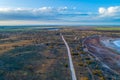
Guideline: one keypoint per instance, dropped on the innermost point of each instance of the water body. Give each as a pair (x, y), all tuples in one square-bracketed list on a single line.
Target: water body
[(29, 27), (112, 44), (117, 43)]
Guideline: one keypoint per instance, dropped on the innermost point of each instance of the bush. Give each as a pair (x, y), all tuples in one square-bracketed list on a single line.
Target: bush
[(97, 72), (75, 53), (84, 78), (81, 64), (66, 65)]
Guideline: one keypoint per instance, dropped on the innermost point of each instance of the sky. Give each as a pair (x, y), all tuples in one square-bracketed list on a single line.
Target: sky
[(68, 12)]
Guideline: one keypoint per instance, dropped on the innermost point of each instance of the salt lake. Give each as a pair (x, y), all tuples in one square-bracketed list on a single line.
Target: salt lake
[(117, 43)]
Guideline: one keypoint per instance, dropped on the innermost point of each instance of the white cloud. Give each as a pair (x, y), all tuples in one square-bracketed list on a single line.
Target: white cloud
[(5, 9), (42, 13), (33, 11), (110, 11), (102, 10), (62, 8), (43, 9), (63, 14)]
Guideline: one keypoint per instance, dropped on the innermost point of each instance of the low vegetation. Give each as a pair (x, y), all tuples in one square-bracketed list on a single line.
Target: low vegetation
[(29, 54)]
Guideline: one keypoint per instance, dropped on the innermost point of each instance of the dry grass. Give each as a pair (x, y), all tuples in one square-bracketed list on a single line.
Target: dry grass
[(8, 46), (45, 66), (11, 38)]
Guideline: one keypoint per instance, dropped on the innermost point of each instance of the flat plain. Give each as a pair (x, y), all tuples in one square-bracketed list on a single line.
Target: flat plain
[(40, 54)]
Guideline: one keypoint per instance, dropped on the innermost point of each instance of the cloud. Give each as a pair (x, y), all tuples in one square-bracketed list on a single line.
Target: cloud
[(102, 10), (43, 13), (44, 9), (26, 13), (110, 11), (60, 14), (32, 10), (26, 10), (62, 8), (110, 14)]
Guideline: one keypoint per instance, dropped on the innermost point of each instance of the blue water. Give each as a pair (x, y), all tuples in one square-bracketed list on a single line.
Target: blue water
[(52, 28), (117, 43), (112, 44)]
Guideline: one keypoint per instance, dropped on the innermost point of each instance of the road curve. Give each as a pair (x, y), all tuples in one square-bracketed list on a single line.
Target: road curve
[(70, 59)]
